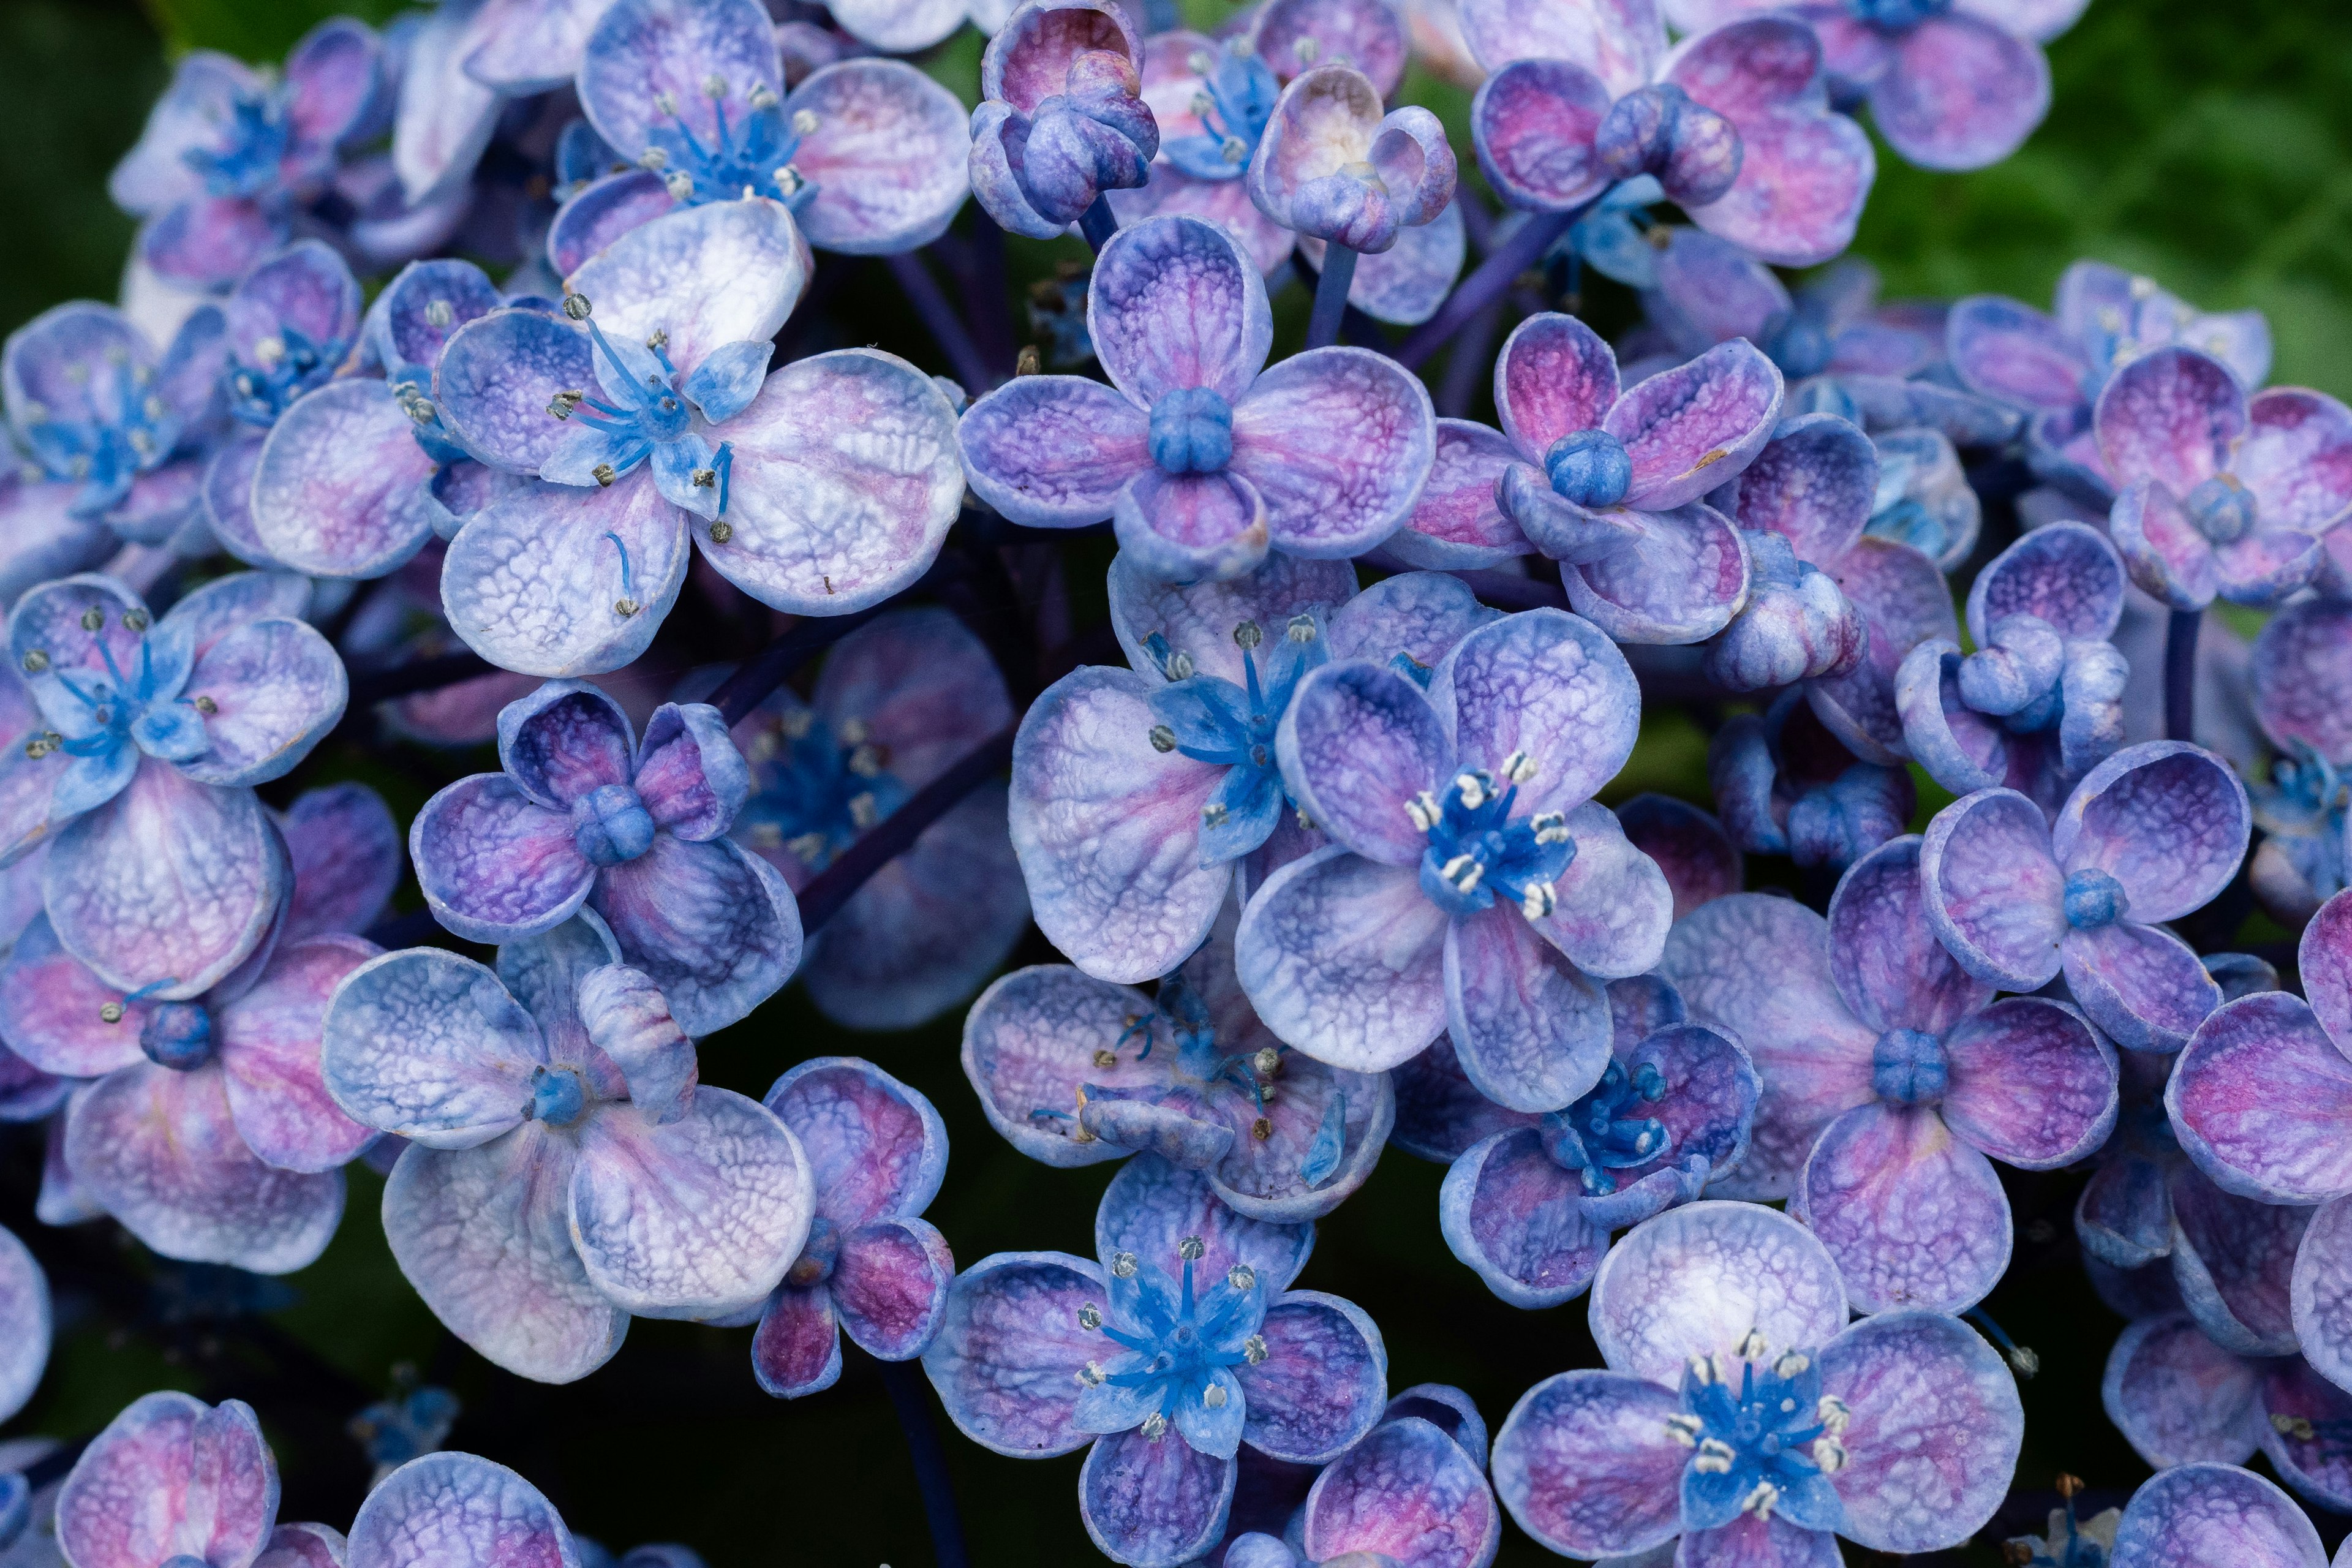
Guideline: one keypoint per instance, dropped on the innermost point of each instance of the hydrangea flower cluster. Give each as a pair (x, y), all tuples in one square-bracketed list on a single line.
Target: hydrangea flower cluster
[(505, 385)]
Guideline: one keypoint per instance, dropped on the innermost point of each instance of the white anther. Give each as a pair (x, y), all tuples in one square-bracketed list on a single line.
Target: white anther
[(270, 351), (652, 158), (1461, 873), (1199, 63), (1537, 900), (1242, 1277), (1155, 1427), (1203, 104), (866, 762), (1090, 1375), (1090, 1316), (438, 313), (1760, 1500), (714, 87), (788, 180), (1683, 1429), (1424, 810), (1471, 787), (1232, 150), (1214, 814), (1301, 630), (1308, 49), (1832, 1414), (680, 185), (1519, 767), (1714, 1457), (666, 102), (1191, 1249), (1213, 1396), (1791, 1364), (1830, 1455), (1704, 1370), (1751, 1346), (864, 812), (1247, 636), (796, 723), (763, 98), (804, 121), (1550, 827), (809, 846), (1122, 1265), (1180, 665), (1253, 1350), (2143, 287), (154, 408)]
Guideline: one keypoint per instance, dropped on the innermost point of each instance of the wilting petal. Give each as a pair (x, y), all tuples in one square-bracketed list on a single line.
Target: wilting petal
[(1695, 1280), (1913, 1217), (454, 1510), (1343, 958), (1934, 1433), (1323, 1384), (2031, 1084), (168, 1476), (2203, 1514), (1010, 1346), (1961, 93), (1338, 441)]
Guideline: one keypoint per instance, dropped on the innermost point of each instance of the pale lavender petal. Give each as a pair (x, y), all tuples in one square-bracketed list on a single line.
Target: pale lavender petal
[(1455, 522), (2167, 819), (496, 376), (1009, 1350), (712, 924), (2178, 1397), (2141, 984), (1440, 1114), (268, 1045), (724, 272), (340, 484), (1619, 41), (1173, 304), (2203, 1513), (1903, 594), (170, 1476), (2259, 1097), (1052, 451), (2296, 1400), (639, 53), (1030, 59), (1960, 93), (346, 853), (1934, 1434), (2174, 416), (493, 865), (1913, 1217), (454, 1510), (887, 157), (1696, 1280), (890, 1287), (1614, 906), (1585, 1464), (1343, 958), (1751, 1542), (1151, 1208), (428, 1045), (1815, 484), (1419, 614), (53, 1021), (1530, 1028), (1680, 579), (1359, 744), (275, 687), (875, 1148), (2297, 458), (2013, 353), (1340, 442), (1549, 684)]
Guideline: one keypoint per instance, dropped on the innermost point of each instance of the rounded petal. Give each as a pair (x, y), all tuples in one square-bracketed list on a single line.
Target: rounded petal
[(891, 1287), (712, 924), (168, 1476), (1009, 1350), (875, 1148), (2259, 1099), (2212, 1513), (1409, 1491), (1619, 41), (1455, 523), (1151, 1208), (1153, 1503), (428, 1045), (496, 376), (1358, 745), (2031, 1084), (1586, 1466), (1884, 955), (1680, 581), (268, 1041), (2178, 1397), (1406, 283), (1554, 375), (2142, 984), (797, 1350), (1695, 1280), (1995, 895), (1511, 1214), (454, 1510), (639, 53), (1614, 906), (340, 487), (1053, 451), (1913, 1217), (2173, 416), (1681, 425), (2292, 1396), (1934, 1433), (1533, 124), (25, 1321), (1804, 169), (2167, 819), (347, 858), (275, 687), (1344, 958), (1960, 93), (2067, 573), (1549, 684), (725, 272), (535, 582), (1198, 619), (1174, 304), (887, 157), (2234, 1262), (1340, 442), (1029, 1047), (1323, 1384), (494, 865)]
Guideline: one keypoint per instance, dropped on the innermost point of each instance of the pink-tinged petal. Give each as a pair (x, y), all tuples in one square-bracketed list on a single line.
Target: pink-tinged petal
[(1009, 1350), (923, 686), (268, 1045), (169, 885), (1554, 376), (2013, 353), (2302, 1409), (444, 118), (566, 739), (483, 1235), (845, 480), (1688, 846), (1531, 1029), (1680, 426), (721, 273), (891, 1286), (2297, 458), (159, 1151), (2167, 819), (494, 866), (1884, 955), (1549, 684), (889, 25), (454, 1510), (712, 924), (1695, 1280), (1814, 484), (2259, 1099), (887, 157), (1752, 1542), (2031, 1084), (1995, 895), (1325, 121), (2325, 958), (696, 1218), (1758, 967), (1369, 38), (1618, 41), (875, 1148), (1153, 1503), (346, 854), (1409, 1492), (1174, 304), (1585, 1464), (2203, 1513), (339, 485), (1190, 525), (2067, 573), (428, 1045), (2166, 556), (53, 1020), (1679, 581), (1960, 93), (1266, 1179), (25, 1319), (1343, 958), (1107, 828), (2173, 416), (639, 54), (2234, 1261), (228, 504), (1804, 169), (2320, 1292), (1338, 441), (1933, 1431), (2178, 1397), (797, 1350), (1151, 1208), (1533, 124), (1053, 451), (1614, 906), (2041, 20), (1913, 1217), (1324, 1382), (1906, 601), (1198, 619), (1029, 59), (1517, 1219), (169, 1477), (269, 691), (496, 376), (691, 778), (1360, 743), (1455, 522), (2262, 568), (2142, 984)]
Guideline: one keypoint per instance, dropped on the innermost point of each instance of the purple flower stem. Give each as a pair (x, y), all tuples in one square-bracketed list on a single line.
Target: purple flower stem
[(1467, 365), (907, 1390), (1331, 296), (834, 885), (765, 670), (990, 302), (1098, 223), (946, 328), (1484, 285), (2180, 674)]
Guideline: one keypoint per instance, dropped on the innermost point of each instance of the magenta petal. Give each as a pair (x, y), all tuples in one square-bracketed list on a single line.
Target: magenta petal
[(53, 1021), (2167, 819), (1888, 965), (2178, 1397), (1804, 169), (1960, 93), (1934, 1433), (2198, 1514), (1173, 304), (891, 1285), (268, 1041), (1338, 441), (1369, 36), (2297, 458), (2165, 555), (1553, 376), (1533, 124), (168, 1476), (1681, 426), (1510, 1212), (1913, 1217), (1994, 892), (1585, 1465), (2173, 416), (1153, 1503), (1619, 41), (797, 1349), (1455, 522), (2031, 1084)]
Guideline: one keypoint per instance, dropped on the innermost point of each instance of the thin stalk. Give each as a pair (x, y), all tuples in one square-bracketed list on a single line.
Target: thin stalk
[(834, 886), (939, 318), (1484, 285), (417, 675), (990, 306), (1467, 365), (2180, 674), (765, 670), (1331, 296), (1098, 223), (930, 1461)]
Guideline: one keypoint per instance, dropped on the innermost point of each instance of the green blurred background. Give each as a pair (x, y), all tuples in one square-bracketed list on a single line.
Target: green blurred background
[(2208, 146)]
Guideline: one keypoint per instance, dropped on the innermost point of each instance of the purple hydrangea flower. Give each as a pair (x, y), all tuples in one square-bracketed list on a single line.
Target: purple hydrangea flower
[(23, 1324), (1607, 484), (1812, 490), (1786, 786), (1736, 124), (1739, 1411), (1924, 497), (2053, 367), (232, 155), (872, 1267), (1701, 289), (1074, 1070), (170, 1480), (1890, 1076), (2196, 1514), (1201, 458), (1950, 86), (2149, 834), (584, 817), (1408, 1494), (2039, 702), (2180, 1398), (1183, 1343), (1062, 118), (869, 154), (292, 322), (900, 701), (2302, 672), (1471, 884), (1532, 1207), (649, 417), (1142, 796), (111, 432), (155, 731), (451, 1510), (2217, 493), (564, 1170)]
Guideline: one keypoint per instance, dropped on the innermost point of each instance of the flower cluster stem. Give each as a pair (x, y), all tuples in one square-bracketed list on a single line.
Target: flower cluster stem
[(1331, 296), (2180, 674), (946, 328), (1484, 285), (939, 1511)]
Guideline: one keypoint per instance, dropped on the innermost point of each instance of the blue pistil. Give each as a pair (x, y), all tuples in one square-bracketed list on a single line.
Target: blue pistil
[(1599, 1136), (1176, 1339), (752, 156), (1211, 720), (1768, 1448), (2095, 899), (825, 792), (245, 162), (1477, 849)]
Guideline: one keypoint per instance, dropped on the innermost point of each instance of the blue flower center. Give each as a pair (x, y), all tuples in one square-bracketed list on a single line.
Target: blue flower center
[(394, 1431), (824, 791), (819, 1255), (1764, 1441), (1236, 99), (1605, 1132), (132, 431), (2222, 509), (2094, 900), (147, 708), (1174, 1337), (179, 1036), (1896, 15), (1908, 1067), (283, 368), (647, 410), (557, 1097), (610, 825), (750, 154), (253, 142), (1589, 468), (1191, 431), (1477, 849), (1211, 720)]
